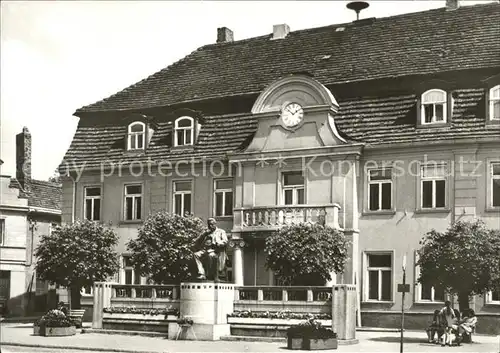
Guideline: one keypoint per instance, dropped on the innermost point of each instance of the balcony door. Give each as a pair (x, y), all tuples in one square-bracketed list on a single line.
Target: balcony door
[(293, 194)]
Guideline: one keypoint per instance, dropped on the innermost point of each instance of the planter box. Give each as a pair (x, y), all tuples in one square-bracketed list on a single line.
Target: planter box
[(312, 344), (36, 330), (58, 331)]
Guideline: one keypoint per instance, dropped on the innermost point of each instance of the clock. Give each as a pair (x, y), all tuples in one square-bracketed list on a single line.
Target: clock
[(292, 114)]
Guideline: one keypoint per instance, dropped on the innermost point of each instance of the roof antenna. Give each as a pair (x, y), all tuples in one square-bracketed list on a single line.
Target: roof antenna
[(357, 6)]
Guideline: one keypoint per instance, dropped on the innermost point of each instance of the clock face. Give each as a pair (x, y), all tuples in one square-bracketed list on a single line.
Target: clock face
[(292, 114)]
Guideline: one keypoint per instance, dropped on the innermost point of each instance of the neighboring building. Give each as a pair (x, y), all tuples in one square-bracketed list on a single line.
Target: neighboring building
[(376, 100), (28, 209)]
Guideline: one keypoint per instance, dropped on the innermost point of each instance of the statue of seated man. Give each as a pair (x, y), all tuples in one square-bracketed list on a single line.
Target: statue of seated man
[(210, 247)]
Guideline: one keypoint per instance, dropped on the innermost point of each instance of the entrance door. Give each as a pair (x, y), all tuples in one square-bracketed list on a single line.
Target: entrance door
[(4, 289)]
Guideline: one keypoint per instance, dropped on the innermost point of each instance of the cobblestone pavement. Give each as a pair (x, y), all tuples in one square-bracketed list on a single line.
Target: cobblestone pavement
[(14, 335)]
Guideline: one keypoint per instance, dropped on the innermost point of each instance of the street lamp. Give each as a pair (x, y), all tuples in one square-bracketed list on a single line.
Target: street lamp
[(403, 290)]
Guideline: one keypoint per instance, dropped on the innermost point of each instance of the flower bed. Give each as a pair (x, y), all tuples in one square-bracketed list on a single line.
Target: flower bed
[(169, 311), (285, 314)]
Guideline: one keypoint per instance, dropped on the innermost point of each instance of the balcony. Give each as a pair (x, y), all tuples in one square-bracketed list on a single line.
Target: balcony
[(270, 218)]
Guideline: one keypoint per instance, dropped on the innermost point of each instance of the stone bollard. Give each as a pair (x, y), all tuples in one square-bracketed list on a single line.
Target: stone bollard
[(102, 299), (344, 311)]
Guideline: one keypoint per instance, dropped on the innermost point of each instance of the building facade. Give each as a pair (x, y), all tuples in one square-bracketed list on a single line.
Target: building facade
[(384, 128), (28, 209)]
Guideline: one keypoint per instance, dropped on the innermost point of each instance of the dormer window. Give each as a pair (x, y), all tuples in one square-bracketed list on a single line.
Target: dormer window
[(494, 103), (136, 136), (434, 104), (184, 131)]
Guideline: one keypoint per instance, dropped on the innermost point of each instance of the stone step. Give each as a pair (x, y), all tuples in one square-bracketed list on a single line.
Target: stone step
[(125, 332)]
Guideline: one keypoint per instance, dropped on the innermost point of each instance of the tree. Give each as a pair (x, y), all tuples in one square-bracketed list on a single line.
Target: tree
[(77, 255), (55, 178), (306, 254), (465, 260), (163, 247)]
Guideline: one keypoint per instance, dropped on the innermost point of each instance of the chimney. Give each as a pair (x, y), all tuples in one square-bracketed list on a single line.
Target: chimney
[(224, 35), (280, 31), (452, 4), (23, 157)]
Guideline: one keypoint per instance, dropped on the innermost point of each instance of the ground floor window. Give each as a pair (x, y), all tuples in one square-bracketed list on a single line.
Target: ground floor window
[(378, 277), (493, 297)]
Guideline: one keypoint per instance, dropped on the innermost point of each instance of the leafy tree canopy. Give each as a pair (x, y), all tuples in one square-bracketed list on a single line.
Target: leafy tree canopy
[(465, 259), (306, 254), (163, 247), (78, 254)]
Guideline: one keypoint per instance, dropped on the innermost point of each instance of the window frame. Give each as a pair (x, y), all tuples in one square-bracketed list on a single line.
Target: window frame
[(418, 288), (489, 299), (379, 182), (366, 278), (136, 135), (2, 231), (93, 198), (124, 268), (420, 184), (491, 101), (134, 197), (184, 192), (186, 130), (489, 184), (223, 191), (445, 108), (294, 188)]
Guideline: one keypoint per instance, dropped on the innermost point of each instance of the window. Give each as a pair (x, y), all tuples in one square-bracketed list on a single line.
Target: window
[(494, 103), (136, 135), (426, 292), (379, 277), (182, 197), (52, 227), (433, 107), (87, 291), (133, 202), (2, 231), (293, 188), (223, 197), (495, 184), (493, 297), (184, 131), (92, 203), (131, 276), (229, 268), (380, 189), (433, 186)]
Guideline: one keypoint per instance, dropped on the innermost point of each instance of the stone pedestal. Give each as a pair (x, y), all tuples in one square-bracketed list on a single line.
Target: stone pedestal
[(207, 304), (344, 311)]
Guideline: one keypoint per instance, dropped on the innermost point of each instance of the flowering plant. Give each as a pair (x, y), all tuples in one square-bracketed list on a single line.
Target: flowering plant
[(284, 314), (184, 321), (54, 318), (311, 329)]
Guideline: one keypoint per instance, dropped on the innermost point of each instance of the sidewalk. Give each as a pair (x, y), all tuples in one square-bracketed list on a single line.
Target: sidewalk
[(21, 335)]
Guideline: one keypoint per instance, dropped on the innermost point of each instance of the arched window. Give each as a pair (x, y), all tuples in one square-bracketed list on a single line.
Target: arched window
[(433, 107), (184, 131), (494, 98), (136, 135)]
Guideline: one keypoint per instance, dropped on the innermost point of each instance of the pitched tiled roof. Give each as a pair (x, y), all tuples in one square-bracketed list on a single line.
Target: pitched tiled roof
[(416, 43), (40, 193), (372, 120)]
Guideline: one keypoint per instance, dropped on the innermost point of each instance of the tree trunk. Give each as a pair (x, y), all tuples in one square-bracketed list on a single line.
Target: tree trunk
[(463, 301), (75, 297)]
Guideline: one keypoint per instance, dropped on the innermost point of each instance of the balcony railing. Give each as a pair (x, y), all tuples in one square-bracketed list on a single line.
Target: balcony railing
[(135, 291), (275, 217), (279, 293)]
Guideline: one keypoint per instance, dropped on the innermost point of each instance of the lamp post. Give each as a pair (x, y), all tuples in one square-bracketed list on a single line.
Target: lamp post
[(403, 304)]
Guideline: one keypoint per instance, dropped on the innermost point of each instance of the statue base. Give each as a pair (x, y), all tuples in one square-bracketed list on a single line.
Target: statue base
[(207, 304)]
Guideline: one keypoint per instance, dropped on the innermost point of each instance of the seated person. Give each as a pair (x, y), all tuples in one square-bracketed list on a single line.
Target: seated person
[(436, 327), (449, 317), (62, 308), (467, 324)]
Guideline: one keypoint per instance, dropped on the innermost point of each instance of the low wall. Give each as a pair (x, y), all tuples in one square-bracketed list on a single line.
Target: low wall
[(137, 322), (261, 327), (486, 323)]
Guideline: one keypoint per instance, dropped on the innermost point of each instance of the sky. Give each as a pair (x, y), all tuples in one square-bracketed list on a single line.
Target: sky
[(57, 56)]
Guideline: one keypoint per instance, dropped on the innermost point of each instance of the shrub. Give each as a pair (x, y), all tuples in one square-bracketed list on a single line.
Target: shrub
[(54, 318)]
